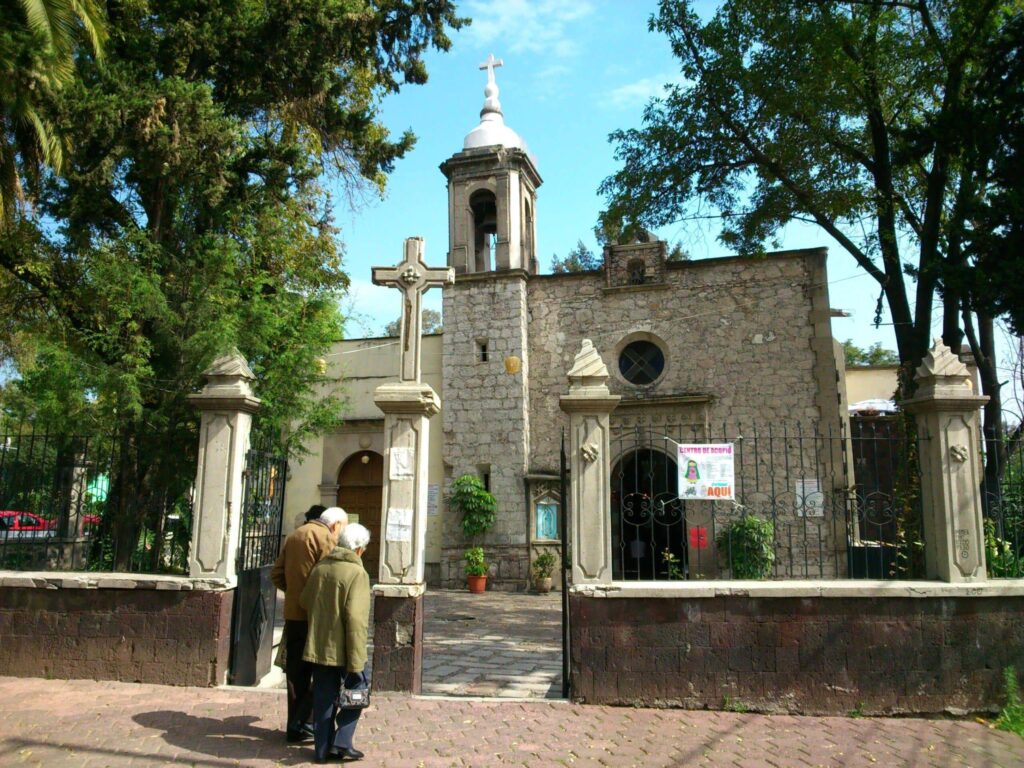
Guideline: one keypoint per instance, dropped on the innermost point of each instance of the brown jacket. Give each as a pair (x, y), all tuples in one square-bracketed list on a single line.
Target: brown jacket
[(303, 549)]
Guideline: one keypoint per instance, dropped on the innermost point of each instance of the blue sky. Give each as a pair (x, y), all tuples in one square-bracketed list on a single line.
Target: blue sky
[(574, 71)]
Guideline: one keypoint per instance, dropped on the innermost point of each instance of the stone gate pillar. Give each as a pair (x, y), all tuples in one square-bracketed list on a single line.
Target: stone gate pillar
[(398, 596), (946, 410), (589, 404), (227, 404)]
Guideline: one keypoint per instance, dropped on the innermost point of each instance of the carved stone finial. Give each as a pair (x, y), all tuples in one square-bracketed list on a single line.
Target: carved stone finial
[(588, 366), (230, 364), (939, 362)]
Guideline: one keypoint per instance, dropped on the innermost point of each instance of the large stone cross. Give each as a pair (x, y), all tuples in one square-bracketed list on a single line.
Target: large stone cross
[(413, 278)]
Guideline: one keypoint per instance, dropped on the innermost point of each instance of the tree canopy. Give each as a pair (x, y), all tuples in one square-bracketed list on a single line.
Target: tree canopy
[(873, 355), (190, 214), (579, 259), (892, 125)]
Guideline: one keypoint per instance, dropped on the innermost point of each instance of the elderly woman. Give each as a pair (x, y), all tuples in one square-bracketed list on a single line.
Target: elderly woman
[(337, 599)]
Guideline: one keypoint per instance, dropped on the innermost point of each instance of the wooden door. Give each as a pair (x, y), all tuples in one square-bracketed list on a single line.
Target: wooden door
[(360, 490)]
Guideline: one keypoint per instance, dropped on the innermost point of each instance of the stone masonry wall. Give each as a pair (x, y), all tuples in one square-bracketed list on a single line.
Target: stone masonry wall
[(164, 636), (485, 415), (739, 330), (799, 655)]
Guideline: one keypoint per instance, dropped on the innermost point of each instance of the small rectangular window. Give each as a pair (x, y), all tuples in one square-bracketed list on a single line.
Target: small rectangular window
[(481, 350), (484, 470)]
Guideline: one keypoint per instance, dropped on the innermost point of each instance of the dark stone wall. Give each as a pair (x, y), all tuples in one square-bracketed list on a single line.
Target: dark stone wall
[(169, 637), (397, 643), (801, 655)]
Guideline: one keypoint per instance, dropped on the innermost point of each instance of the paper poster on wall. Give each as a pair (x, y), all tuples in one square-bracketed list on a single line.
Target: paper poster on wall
[(399, 524), (433, 491), (810, 501), (706, 471), (401, 463)]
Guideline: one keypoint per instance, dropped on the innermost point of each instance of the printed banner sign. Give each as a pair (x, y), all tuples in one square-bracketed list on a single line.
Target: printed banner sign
[(706, 471)]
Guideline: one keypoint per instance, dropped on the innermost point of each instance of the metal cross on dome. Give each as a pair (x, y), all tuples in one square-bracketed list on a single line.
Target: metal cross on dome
[(490, 65), (413, 278)]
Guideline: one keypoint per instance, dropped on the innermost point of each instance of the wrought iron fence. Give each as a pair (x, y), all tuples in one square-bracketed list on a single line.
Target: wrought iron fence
[(806, 502), (69, 502), (264, 480), (1003, 505)]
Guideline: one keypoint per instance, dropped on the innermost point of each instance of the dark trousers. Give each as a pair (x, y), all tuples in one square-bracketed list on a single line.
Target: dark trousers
[(331, 726), (299, 674)]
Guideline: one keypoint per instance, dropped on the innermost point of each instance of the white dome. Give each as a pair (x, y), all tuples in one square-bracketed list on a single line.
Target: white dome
[(493, 131)]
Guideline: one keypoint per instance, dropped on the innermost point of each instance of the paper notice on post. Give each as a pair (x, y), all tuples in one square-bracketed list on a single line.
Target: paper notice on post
[(433, 491), (399, 524), (402, 463)]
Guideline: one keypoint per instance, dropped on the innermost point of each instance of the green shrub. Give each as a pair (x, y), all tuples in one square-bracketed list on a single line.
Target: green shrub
[(476, 504), (476, 563), (1012, 716), (748, 545), (544, 565)]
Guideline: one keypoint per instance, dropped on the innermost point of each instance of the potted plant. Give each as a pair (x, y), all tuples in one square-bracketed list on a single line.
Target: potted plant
[(478, 508), (748, 546), (476, 569), (542, 568)]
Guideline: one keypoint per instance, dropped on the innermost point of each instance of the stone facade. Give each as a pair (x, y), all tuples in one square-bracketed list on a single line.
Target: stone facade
[(137, 629), (809, 655)]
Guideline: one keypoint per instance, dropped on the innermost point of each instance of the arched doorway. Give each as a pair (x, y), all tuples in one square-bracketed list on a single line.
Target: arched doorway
[(360, 490), (648, 518)]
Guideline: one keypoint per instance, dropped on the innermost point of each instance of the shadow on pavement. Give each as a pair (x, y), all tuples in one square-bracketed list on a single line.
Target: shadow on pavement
[(232, 738)]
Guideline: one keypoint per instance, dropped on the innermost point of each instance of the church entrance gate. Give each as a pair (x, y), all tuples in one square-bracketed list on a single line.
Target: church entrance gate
[(360, 489)]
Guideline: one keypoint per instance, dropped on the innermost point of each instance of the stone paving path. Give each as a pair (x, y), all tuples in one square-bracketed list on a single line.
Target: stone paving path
[(494, 644), (86, 724)]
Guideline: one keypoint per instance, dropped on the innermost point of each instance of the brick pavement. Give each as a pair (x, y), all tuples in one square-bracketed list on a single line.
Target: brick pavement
[(86, 724)]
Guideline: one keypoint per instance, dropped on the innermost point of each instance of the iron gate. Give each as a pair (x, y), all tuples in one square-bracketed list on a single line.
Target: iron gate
[(252, 628)]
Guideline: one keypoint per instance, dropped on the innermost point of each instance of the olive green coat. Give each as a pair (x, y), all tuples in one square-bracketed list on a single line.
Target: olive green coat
[(337, 599)]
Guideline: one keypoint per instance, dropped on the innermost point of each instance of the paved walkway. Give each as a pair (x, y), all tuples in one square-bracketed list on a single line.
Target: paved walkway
[(494, 644), (85, 724)]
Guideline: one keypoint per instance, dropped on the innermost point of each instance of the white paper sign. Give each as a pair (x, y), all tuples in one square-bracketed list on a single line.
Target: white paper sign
[(810, 501), (402, 463), (706, 471), (433, 491), (399, 524)]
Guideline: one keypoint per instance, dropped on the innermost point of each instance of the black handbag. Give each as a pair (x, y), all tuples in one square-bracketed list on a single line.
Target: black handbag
[(353, 698)]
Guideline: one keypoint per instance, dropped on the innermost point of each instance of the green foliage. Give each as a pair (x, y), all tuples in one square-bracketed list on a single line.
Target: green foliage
[(748, 544), (579, 259), (431, 319), (673, 567), (873, 355), (1011, 718), (474, 503), (855, 116), (1001, 559), (544, 565), (476, 563), (189, 218)]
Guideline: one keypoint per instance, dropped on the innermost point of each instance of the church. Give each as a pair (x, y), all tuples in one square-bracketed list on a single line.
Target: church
[(692, 347)]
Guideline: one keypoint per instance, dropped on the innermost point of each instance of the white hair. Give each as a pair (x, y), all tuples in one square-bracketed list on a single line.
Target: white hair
[(355, 536), (333, 515)]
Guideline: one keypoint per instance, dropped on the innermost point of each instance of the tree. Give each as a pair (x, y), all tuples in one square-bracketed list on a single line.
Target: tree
[(189, 217), (38, 40), (873, 355), (579, 259), (852, 115), (431, 323)]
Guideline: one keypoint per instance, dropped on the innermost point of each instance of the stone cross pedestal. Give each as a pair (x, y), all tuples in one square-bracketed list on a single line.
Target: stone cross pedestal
[(407, 406), (227, 404), (946, 410), (589, 405)]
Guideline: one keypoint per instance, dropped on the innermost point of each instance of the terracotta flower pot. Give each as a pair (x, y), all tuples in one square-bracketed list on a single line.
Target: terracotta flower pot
[(477, 584), (542, 585)]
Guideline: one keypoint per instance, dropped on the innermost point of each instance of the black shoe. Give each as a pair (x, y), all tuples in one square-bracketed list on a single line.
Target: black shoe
[(345, 753), (298, 735)]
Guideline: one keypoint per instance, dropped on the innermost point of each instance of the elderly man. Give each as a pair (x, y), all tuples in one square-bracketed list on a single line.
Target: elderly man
[(337, 597), (304, 548)]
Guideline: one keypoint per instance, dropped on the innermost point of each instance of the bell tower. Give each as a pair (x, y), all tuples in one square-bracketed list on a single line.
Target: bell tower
[(492, 190), (492, 194)]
